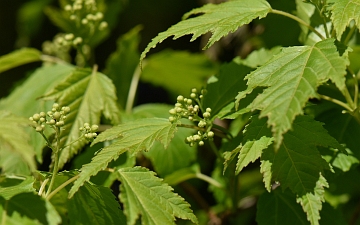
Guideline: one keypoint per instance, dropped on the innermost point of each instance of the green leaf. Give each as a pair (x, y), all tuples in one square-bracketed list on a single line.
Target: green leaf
[(134, 136), (13, 185), (297, 164), (340, 160), (14, 144), (18, 58), (178, 154), (121, 65), (23, 101), (259, 57), (304, 10), (94, 204), (343, 12), (214, 20), (312, 202), (16, 210), (251, 151), (89, 96), (229, 81), (291, 78), (182, 175), (142, 193), (278, 208), (177, 71)]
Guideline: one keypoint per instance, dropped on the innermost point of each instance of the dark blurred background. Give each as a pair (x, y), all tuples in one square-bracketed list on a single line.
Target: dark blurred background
[(155, 16)]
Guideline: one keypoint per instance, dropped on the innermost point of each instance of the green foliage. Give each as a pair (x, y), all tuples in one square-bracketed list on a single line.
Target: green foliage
[(270, 136), (145, 194)]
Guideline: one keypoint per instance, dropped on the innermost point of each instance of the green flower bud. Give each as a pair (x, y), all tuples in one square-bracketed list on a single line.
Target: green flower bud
[(206, 114), (210, 134), (193, 95), (31, 118), (59, 124), (208, 110), (202, 123), (94, 128), (189, 102), (172, 111), (42, 114), (36, 117), (56, 115), (194, 90), (42, 119), (180, 98), (196, 137), (55, 105), (201, 143), (39, 129), (172, 119)]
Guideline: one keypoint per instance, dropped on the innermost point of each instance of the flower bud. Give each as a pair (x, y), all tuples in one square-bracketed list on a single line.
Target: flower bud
[(210, 134), (201, 143), (94, 128), (180, 98), (36, 117)]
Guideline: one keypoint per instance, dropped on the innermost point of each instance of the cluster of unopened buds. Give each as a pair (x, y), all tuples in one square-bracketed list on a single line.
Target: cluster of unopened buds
[(89, 131), (55, 118), (85, 13), (187, 108)]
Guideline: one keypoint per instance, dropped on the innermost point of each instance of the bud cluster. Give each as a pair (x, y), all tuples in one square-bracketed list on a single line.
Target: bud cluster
[(88, 20), (187, 108), (55, 118), (89, 131)]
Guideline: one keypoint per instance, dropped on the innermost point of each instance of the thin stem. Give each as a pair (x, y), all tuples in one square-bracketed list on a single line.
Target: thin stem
[(42, 187), (349, 35), (356, 87), (279, 12), (215, 150), (340, 103), (62, 186), (46, 140), (133, 88), (209, 180), (56, 161), (348, 98), (4, 213)]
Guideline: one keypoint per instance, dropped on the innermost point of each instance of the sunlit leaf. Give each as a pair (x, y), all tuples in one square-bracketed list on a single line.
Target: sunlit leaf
[(144, 194), (13, 147), (178, 154), (23, 101), (291, 78), (218, 19), (18, 58), (311, 202), (89, 94), (343, 12), (133, 137)]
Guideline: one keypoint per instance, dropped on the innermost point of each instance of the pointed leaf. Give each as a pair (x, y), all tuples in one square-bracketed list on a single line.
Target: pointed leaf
[(312, 202), (89, 95), (343, 12), (177, 155), (251, 151), (292, 77), (16, 210), (229, 81), (23, 101), (133, 136), (143, 193), (94, 204), (214, 19), (278, 208), (177, 71), (18, 58), (12, 146), (297, 164)]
